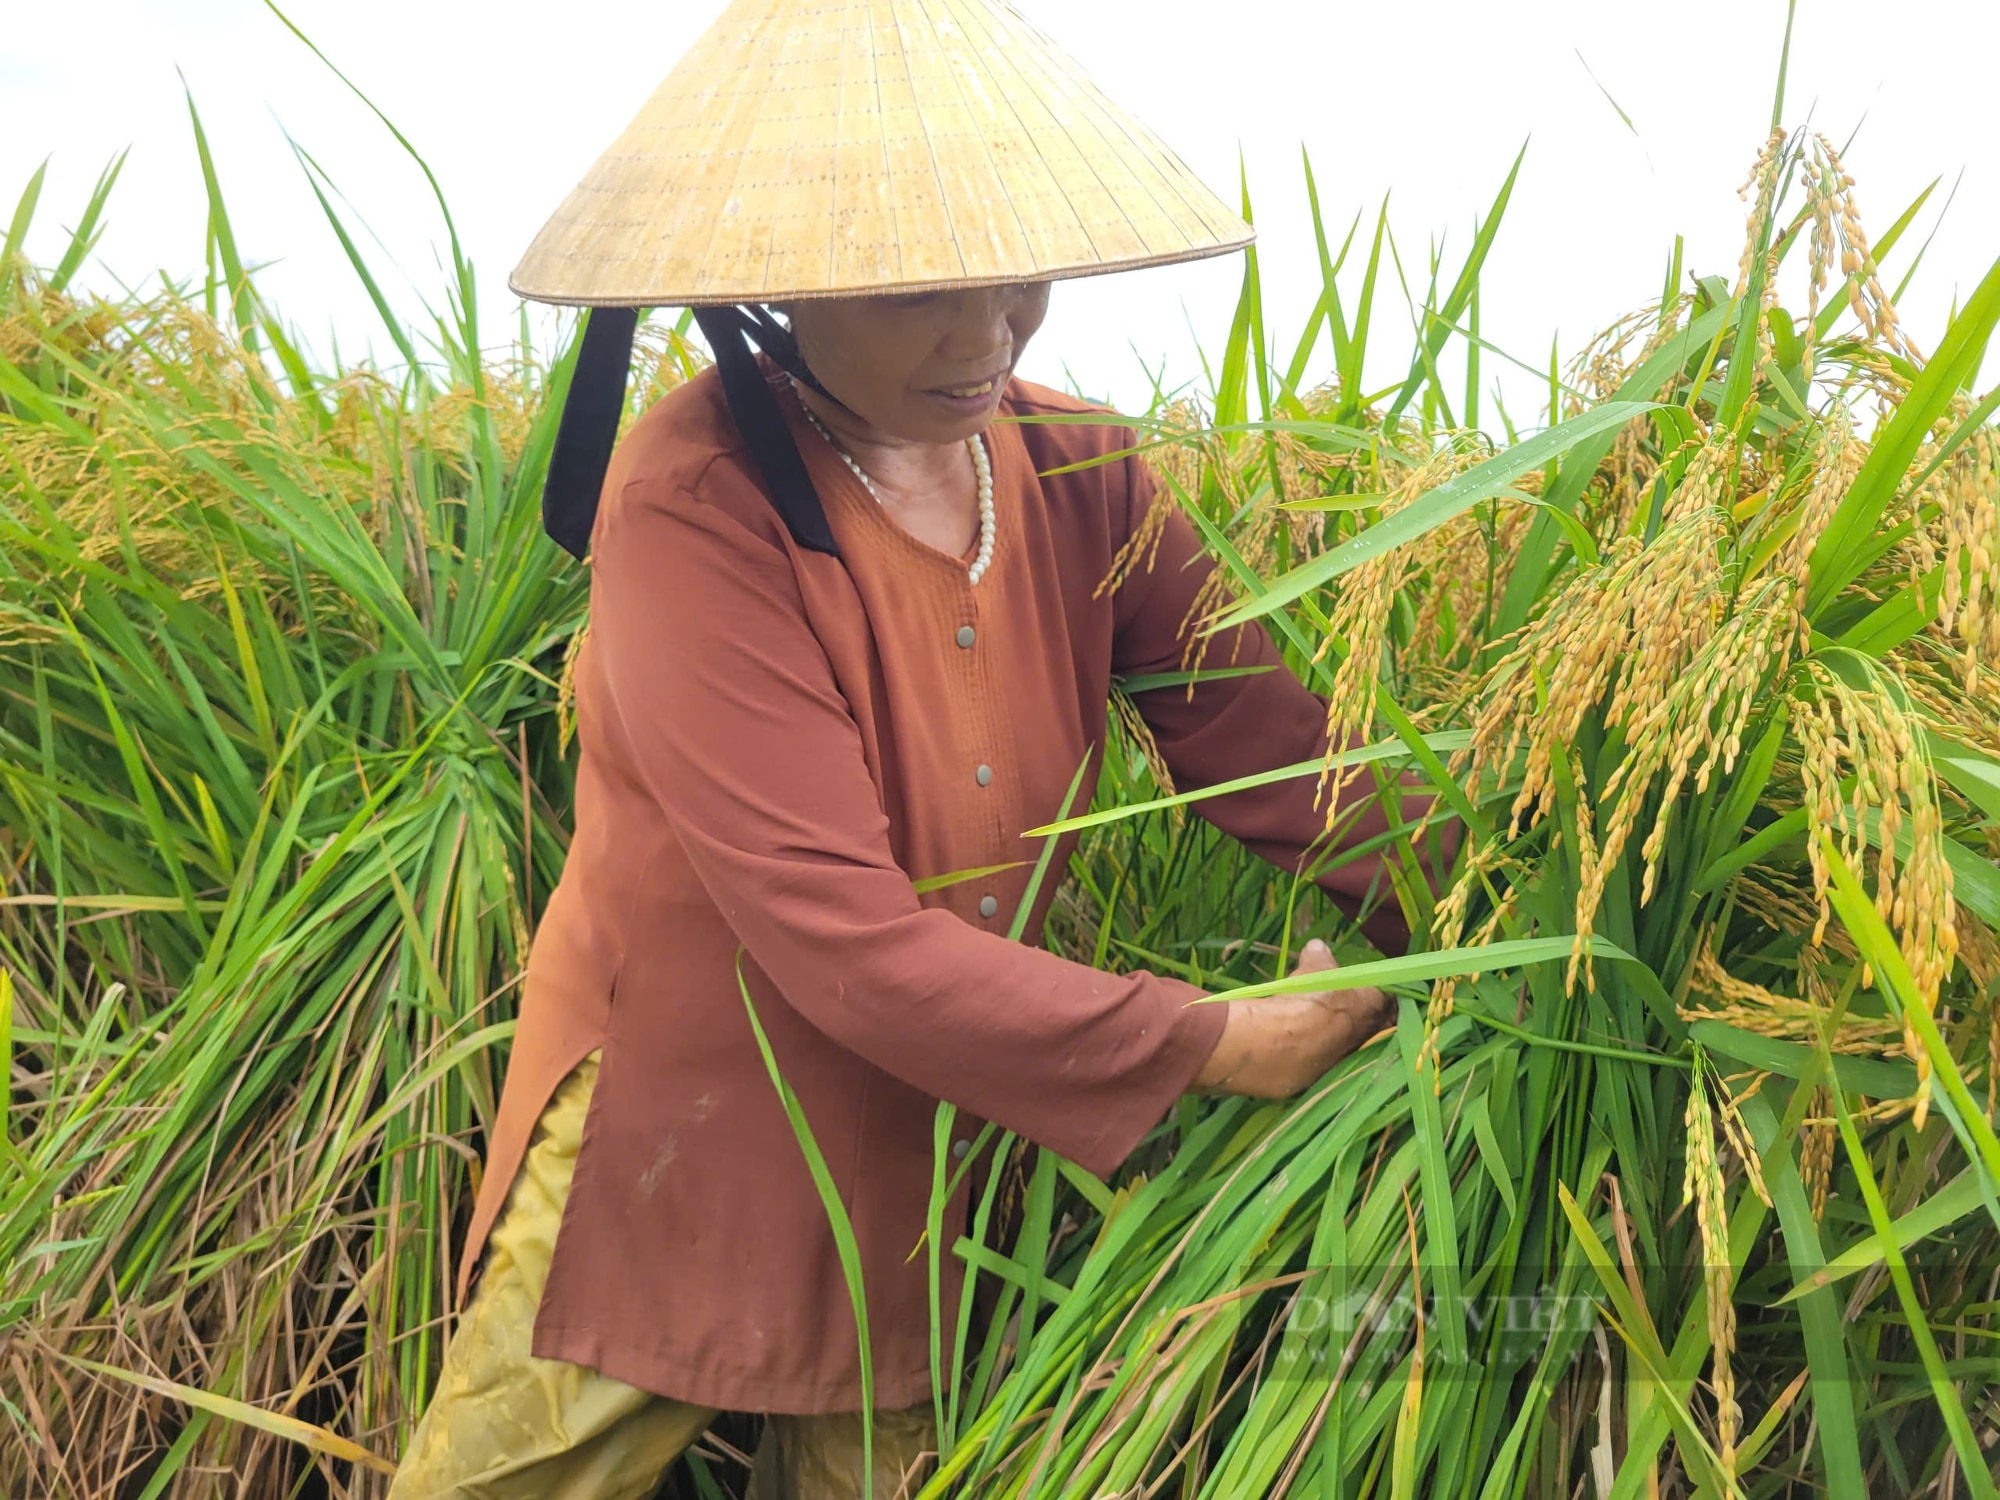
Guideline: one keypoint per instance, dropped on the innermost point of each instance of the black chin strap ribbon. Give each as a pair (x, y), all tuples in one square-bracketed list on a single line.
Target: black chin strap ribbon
[(588, 428), (776, 340), (761, 420), (596, 400)]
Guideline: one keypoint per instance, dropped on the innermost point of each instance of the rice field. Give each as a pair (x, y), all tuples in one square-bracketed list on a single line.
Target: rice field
[(1676, 1177)]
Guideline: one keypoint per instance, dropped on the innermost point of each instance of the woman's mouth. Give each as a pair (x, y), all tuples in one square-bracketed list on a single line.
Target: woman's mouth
[(973, 399)]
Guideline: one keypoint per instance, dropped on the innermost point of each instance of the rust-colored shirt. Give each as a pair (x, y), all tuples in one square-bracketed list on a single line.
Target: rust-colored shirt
[(775, 743)]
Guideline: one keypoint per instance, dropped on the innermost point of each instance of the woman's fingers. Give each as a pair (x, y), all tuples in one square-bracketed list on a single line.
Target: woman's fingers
[(1314, 957)]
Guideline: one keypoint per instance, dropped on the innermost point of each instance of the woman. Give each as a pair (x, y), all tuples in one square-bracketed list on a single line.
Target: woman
[(847, 635)]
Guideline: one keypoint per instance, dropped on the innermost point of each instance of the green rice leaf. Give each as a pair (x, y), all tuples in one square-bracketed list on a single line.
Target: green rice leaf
[(931, 883), (1479, 1116), (1026, 909), (24, 213), (1452, 498), (1147, 682), (1975, 775), (1846, 543), (1383, 750), (1944, 1207), (1416, 968), (838, 1222), (1633, 1324), (83, 238), (1878, 948), (1972, 1461), (1435, 327), (1440, 1216), (1870, 1077), (1821, 1327)]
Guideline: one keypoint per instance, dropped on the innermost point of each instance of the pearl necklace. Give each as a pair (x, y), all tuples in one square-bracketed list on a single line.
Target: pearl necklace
[(981, 466)]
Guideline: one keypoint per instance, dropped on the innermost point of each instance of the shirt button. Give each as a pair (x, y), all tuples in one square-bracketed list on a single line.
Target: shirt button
[(988, 905), (966, 635), (984, 775), (959, 1148)]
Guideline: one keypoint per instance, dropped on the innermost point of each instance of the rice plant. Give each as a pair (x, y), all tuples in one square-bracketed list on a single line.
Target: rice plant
[(281, 791), (1677, 1175)]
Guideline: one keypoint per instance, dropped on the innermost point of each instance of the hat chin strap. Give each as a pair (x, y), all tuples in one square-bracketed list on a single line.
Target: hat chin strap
[(777, 341), (588, 428), (596, 400)]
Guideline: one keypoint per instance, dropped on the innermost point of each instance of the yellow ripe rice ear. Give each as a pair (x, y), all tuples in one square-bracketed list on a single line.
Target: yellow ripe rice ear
[(1873, 738), (1703, 1187)]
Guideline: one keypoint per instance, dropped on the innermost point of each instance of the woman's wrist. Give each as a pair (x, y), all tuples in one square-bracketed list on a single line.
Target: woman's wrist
[(1225, 1059)]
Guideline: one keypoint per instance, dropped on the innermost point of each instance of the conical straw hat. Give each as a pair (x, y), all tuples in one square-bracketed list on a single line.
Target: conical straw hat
[(815, 148)]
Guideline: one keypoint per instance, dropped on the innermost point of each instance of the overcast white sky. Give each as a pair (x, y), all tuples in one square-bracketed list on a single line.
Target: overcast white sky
[(510, 101)]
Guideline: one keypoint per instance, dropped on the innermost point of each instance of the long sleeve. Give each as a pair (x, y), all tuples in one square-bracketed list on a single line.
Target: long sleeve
[(1237, 726), (727, 706)]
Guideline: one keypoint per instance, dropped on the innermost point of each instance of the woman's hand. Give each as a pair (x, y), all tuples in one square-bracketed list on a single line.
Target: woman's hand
[(1280, 1045)]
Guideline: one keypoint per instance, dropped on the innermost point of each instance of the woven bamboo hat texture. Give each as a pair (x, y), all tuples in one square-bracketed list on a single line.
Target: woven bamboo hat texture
[(815, 148)]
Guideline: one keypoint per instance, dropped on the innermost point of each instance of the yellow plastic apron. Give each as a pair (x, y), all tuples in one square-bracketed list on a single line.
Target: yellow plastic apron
[(505, 1425)]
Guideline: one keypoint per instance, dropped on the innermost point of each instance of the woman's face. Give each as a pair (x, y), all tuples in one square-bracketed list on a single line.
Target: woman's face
[(926, 367)]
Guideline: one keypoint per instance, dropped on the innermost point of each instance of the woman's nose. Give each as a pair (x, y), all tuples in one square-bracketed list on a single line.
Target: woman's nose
[(980, 326)]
